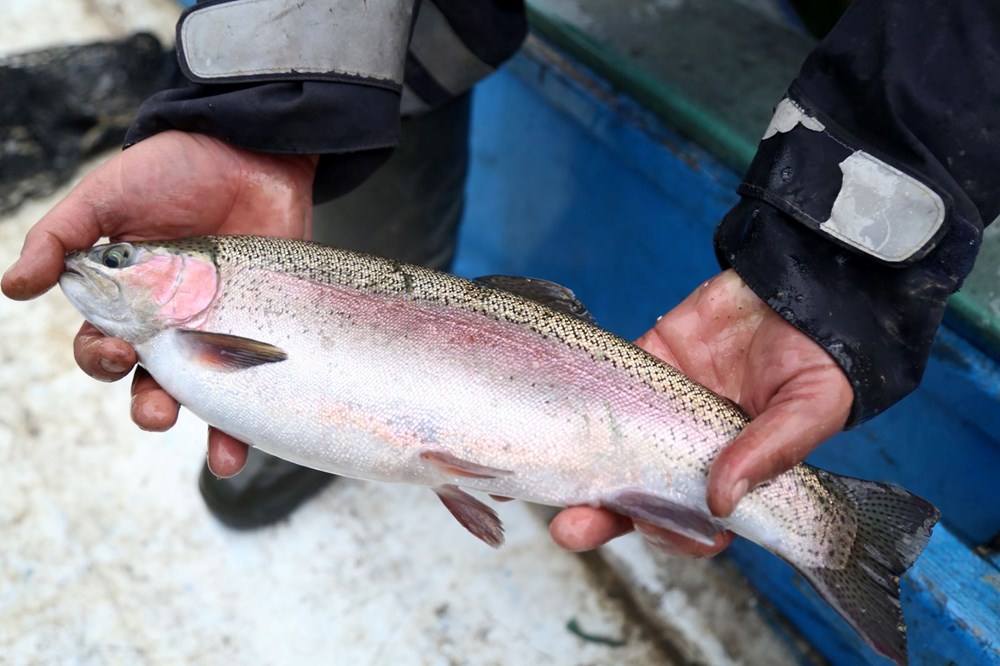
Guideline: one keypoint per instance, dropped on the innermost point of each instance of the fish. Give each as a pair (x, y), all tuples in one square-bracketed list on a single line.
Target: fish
[(374, 369)]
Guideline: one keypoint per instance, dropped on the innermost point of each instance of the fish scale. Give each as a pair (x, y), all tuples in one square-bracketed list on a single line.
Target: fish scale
[(379, 370), (312, 262)]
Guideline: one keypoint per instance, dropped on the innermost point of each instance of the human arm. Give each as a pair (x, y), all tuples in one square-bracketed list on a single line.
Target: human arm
[(914, 84), (350, 121), (726, 338)]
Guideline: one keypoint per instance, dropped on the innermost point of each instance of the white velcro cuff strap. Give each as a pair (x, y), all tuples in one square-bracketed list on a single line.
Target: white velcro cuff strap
[(786, 116), (276, 40), (882, 211)]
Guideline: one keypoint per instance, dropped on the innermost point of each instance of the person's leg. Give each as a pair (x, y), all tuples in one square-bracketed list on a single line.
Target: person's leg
[(408, 210)]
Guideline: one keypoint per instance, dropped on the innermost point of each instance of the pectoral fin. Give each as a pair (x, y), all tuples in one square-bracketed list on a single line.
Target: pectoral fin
[(692, 523), (455, 466), (230, 352), (475, 516)]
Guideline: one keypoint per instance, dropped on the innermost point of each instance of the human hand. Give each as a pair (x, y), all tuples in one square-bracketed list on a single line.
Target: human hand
[(172, 185), (724, 337)]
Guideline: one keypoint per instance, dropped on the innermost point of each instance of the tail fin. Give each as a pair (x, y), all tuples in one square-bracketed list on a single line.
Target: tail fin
[(893, 528)]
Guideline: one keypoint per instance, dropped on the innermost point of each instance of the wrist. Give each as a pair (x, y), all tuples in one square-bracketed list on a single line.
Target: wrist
[(876, 321)]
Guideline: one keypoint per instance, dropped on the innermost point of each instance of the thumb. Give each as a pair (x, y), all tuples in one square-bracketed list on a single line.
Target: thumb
[(75, 223), (777, 440)]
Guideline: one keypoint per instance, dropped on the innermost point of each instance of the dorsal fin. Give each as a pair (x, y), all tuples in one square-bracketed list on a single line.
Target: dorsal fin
[(547, 293)]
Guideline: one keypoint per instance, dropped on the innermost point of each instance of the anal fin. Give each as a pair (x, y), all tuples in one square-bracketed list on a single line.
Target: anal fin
[(475, 516), (230, 352), (692, 523)]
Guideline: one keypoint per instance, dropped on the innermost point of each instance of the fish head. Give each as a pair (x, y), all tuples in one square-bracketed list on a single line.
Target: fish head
[(134, 290)]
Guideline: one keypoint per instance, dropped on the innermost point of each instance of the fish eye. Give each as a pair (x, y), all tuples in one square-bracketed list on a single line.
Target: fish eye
[(116, 256)]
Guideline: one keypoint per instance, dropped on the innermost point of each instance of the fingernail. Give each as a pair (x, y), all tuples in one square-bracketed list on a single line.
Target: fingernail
[(659, 542), (208, 464), (217, 475), (739, 490), (225, 459), (112, 367)]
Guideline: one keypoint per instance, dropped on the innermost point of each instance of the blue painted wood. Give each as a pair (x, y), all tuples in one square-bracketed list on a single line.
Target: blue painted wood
[(941, 442), (574, 183), (955, 600), (567, 183), (951, 599)]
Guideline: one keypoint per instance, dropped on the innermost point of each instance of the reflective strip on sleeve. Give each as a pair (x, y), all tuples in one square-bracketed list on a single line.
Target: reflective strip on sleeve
[(821, 177), (338, 40), (882, 211), (786, 116)]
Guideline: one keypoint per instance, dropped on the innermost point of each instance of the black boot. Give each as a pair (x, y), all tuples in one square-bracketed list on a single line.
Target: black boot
[(408, 210), (267, 490)]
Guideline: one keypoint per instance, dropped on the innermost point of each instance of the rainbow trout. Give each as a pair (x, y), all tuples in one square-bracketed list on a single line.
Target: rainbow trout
[(373, 369)]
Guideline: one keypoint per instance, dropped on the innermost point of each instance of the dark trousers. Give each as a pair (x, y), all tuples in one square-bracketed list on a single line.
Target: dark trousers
[(411, 207)]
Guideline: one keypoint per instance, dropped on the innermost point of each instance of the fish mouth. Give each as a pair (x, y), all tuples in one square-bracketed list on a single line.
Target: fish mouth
[(88, 274), (89, 286)]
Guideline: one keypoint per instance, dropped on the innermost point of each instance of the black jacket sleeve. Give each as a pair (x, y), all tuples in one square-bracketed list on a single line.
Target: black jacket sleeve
[(352, 125), (916, 83)]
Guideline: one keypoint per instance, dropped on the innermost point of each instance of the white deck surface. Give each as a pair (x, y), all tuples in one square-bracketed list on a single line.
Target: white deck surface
[(107, 554)]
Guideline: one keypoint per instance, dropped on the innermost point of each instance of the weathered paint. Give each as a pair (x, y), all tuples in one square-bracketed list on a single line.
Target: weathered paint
[(951, 598)]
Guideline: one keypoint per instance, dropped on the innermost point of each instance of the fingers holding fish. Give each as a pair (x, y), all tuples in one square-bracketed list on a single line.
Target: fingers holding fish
[(799, 397), (152, 408), (95, 208), (726, 338), (73, 224), (171, 185), (675, 544), (155, 410), (778, 439), (226, 455), (582, 528), (103, 358)]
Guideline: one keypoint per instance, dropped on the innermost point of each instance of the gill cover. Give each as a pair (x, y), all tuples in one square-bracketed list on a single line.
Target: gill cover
[(132, 290)]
